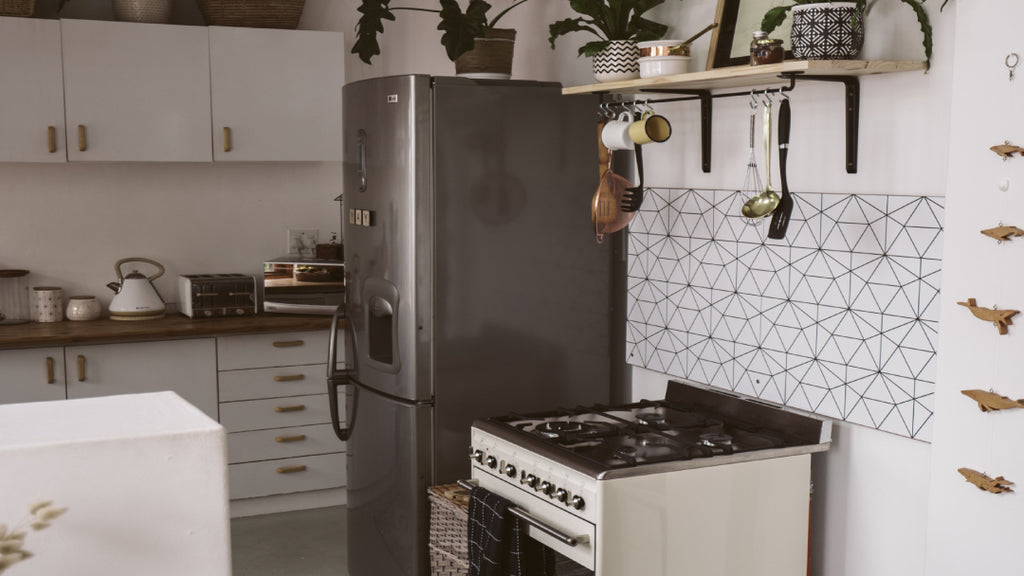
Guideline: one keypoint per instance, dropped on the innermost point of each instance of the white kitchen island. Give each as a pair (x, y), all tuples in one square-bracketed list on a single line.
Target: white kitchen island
[(143, 478)]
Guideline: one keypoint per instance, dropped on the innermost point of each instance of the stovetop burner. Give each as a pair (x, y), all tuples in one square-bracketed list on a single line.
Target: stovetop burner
[(649, 432)]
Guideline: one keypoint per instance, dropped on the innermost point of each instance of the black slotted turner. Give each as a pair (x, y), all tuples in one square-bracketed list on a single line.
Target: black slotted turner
[(780, 219)]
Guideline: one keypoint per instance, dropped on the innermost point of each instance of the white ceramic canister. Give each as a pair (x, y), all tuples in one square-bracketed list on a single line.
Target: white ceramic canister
[(48, 303), (83, 308)]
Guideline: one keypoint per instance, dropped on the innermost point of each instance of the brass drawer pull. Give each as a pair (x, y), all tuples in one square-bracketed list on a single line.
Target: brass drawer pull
[(298, 408), (291, 469), (239, 293), (289, 378), (51, 139), (227, 139), (49, 370), (288, 343), (82, 144), (81, 368), (296, 438)]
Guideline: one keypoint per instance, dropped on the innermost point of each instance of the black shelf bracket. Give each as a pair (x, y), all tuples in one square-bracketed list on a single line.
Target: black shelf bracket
[(852, 110)]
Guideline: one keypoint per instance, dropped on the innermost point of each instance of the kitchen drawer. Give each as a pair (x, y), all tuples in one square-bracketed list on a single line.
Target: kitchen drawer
[(282, 443), (276, 382), (276, 412), (254, 479), (278, 349)]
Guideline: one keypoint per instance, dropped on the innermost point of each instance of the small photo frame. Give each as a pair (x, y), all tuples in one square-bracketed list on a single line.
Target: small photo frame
[(737, 21)]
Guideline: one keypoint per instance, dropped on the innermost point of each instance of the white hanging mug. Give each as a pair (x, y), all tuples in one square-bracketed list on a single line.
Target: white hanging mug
[(615, 135)]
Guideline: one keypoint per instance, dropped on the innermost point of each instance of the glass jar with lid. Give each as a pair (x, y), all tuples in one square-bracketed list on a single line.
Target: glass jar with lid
[(14, 307), (765, 50)]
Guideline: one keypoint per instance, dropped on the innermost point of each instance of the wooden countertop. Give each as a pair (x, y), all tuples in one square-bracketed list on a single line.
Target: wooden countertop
[(172, 326)]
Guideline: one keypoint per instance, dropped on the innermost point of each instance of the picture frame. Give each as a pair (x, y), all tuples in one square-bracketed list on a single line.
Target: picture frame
[(737, 21)]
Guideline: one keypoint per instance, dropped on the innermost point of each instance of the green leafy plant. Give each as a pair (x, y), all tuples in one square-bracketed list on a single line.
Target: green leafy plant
[(777, 15), (609, 20), (460, 28)]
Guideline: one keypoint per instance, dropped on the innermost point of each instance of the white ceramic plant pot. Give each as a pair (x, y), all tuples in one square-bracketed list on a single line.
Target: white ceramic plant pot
[(619, 61), (827, 31), (151, 11)]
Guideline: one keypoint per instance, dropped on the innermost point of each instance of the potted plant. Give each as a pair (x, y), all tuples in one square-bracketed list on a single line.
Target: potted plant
[(471, 40), (827, 30), (618, 25)]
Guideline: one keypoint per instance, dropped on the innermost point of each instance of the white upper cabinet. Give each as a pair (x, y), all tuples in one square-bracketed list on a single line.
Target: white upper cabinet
[(136, 92), (276, 94), (31, 91)]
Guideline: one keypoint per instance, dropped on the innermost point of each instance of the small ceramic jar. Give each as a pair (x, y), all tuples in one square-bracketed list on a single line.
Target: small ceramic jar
[(83, 308)]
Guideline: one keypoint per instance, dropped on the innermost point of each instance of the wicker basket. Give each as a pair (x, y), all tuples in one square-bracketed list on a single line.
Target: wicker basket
[(449, 543), (17, 7), (252, 13)]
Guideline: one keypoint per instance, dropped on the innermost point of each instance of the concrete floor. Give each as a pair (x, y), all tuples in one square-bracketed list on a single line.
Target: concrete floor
[(302, 543)]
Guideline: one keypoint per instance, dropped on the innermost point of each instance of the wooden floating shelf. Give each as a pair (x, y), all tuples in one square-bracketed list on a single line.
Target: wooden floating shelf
[(746, 76)]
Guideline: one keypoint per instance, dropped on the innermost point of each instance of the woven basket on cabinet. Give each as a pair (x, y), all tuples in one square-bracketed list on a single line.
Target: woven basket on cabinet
[(17, 7), (252, 13)]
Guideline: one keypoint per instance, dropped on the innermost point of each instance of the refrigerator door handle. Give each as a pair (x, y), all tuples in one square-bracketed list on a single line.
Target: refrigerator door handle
[(336, 378)]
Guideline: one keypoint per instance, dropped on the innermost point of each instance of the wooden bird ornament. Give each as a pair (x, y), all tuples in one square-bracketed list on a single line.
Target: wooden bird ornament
[(1001, 318), (996, 485), (1006, 150), (990, 401), (1003, 233)]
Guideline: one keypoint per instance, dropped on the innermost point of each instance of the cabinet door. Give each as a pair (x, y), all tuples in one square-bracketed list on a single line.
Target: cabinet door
[(277, 93), (31, 375), (188, 367), (140, 92), (32, 92)]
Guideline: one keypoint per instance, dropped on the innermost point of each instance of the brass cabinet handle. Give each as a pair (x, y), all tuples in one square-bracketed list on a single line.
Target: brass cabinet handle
[(227, 139), (298, 408), (288, 344), (289, 378), (49, 370), (291, 469), (82, 144), (239, 293), (296, 438), (51, 138), (81, 368)]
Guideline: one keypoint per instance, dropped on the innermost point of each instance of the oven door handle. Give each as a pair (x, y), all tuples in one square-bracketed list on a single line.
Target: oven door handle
[(535, 522)]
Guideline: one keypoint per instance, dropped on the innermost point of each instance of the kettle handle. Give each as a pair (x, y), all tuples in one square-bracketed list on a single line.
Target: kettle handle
[(120, 277)]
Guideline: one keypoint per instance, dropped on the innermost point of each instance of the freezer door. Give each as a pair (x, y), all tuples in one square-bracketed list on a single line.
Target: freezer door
[(388, 456), (386, 232)]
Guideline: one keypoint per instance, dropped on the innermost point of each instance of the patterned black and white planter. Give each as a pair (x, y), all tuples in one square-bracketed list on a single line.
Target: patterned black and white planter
[(827, 31), (619, 61)]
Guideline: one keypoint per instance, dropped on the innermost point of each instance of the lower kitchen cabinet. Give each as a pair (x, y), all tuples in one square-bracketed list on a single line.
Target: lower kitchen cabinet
[(271, 477), (188, 367), (274, 405), (33, 375)]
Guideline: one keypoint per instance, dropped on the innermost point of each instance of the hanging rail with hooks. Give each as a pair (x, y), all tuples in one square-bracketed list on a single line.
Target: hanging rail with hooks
[(699, 86)]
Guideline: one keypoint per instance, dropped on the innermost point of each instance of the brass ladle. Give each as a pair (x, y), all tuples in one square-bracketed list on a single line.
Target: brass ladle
[(766, 202)]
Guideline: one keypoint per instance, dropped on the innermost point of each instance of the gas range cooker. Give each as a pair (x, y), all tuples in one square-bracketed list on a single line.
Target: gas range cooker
[(592, 476)]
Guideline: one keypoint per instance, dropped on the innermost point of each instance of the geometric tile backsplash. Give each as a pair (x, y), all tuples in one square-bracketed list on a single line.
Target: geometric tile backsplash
[(839, 318)]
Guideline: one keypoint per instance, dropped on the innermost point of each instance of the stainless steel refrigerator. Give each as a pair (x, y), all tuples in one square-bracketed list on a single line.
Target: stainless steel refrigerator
[(474, 286)]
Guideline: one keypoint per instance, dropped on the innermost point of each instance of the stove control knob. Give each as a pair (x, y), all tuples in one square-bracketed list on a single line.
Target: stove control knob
[(531, 481), (547, 488), (577, 503), (561, 495), (477, 455), (492, 462), (510, 471)]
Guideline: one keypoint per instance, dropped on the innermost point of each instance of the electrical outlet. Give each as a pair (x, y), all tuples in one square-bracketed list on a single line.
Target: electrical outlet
[(302, 243)]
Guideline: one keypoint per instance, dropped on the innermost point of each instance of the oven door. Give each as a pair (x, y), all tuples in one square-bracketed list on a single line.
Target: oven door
[(554, 518)]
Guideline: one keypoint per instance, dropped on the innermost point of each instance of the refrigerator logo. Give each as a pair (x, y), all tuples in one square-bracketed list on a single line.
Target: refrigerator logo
[(392, 98)]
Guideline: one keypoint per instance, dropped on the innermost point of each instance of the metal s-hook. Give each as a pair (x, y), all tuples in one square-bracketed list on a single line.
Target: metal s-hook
[(1012, 61)]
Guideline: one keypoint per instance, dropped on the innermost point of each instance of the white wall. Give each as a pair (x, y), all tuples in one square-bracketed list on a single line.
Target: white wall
[(971, 531)]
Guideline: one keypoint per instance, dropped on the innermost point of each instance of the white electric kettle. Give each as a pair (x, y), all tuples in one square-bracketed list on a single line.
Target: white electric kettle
[(136, 298)]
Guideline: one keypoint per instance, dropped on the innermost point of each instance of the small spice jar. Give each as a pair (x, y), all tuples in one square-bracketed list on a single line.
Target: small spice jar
[(765, 50)]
